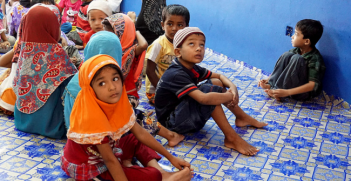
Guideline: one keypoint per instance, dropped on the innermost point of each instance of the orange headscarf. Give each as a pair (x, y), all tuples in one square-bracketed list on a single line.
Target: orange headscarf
[(91, 119), (132, 66)]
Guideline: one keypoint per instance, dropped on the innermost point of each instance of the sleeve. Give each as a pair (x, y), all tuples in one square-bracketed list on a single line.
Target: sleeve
[(203, 73), (153, 52), (62, 4), (314, 70), (182, 85)]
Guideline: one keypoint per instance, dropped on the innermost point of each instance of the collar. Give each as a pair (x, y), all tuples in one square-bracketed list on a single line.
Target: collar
[(192, 73), (306, 55)]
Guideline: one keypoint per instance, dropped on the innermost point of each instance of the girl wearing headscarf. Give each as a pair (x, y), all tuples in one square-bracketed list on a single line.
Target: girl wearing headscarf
[(133, 47), (101, 115), (105, 42), (43, 70), (7, 96)]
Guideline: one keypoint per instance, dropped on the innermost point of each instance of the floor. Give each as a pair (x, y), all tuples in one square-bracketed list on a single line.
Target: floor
[(304, 140)]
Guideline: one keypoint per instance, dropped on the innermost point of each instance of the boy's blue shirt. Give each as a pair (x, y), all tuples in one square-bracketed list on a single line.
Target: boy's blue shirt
[(176, 83), (316, 68)]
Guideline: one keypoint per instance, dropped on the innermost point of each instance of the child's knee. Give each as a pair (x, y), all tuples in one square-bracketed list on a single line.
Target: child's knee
[(217, 82)]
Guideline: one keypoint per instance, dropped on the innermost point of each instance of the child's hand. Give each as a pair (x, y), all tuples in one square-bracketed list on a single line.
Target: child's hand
[(63, 42), (179, 163), (235, 93), (277, 93), (132, 15), (5, 45), (262, 82)]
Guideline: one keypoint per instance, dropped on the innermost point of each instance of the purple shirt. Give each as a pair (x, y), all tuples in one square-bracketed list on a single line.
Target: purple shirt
[(17, 13)]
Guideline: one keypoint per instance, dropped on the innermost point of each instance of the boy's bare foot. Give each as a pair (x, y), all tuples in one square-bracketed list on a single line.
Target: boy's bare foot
[(181, 175), (175, 138), (248, 120), (241, 146)]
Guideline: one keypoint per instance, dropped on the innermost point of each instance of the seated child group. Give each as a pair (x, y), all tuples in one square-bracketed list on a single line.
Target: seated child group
[(93, 101)]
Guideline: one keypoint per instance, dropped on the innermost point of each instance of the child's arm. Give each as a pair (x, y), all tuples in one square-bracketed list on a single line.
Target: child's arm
[(142, 44), (227, 83), (111, 162), (144, 137), (150, 72), (293, 91), (5, 60)]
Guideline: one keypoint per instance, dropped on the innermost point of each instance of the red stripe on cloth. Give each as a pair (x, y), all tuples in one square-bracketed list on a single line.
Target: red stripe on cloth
[(187, 90)]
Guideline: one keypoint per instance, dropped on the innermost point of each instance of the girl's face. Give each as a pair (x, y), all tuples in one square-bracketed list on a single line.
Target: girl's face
[(108, 85), (95, 18)]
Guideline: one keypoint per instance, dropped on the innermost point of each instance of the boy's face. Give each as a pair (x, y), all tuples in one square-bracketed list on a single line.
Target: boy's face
[(108, 85), (95, 18), (192, 49), (297, 39), (172, 24)]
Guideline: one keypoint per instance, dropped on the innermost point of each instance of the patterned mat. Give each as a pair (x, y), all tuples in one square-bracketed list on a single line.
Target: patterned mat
[(304, 140)]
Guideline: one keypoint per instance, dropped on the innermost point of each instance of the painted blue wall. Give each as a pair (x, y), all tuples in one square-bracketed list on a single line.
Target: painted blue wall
[(254, 32)]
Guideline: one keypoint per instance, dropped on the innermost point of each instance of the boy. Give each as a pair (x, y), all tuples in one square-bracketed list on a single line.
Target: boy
[(298, 73), (160, 53), (83, 26), (182, 106), (97, 11)]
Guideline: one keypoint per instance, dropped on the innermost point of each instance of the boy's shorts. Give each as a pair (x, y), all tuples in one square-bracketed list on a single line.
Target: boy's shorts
[(190, 115)]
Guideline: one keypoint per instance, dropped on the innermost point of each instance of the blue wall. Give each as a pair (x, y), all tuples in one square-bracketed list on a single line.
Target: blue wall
[(254, 32)]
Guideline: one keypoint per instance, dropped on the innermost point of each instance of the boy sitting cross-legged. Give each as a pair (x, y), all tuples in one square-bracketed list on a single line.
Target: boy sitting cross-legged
[(298, 73), (183, 106)]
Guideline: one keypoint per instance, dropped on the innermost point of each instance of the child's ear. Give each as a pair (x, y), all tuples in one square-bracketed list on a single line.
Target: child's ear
[(177, 52), (163, 28), (307, 41)]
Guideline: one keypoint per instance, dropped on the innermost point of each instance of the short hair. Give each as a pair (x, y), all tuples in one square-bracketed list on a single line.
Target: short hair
[(176, 9), (33, 2), (311, 29), (108, 66)]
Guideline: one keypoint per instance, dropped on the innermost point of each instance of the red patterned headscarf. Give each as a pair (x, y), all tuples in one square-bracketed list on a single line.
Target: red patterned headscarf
[(42, 63)]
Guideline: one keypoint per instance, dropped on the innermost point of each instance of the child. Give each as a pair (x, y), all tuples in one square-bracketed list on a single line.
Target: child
[(133, 47), (182, 106), (100, 116), (83, 26), (97, 12), (70, 12), (160, 54), (108, 43), (18, 11), (298, 73), (42, 73)]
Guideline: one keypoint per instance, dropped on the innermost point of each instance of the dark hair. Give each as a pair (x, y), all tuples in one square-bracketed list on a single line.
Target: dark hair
[(108, 66), (176, 9), (107, 23), (33, 2), (311, 29)]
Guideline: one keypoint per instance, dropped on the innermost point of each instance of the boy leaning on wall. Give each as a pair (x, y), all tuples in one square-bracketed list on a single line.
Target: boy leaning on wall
[(298, 73)]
